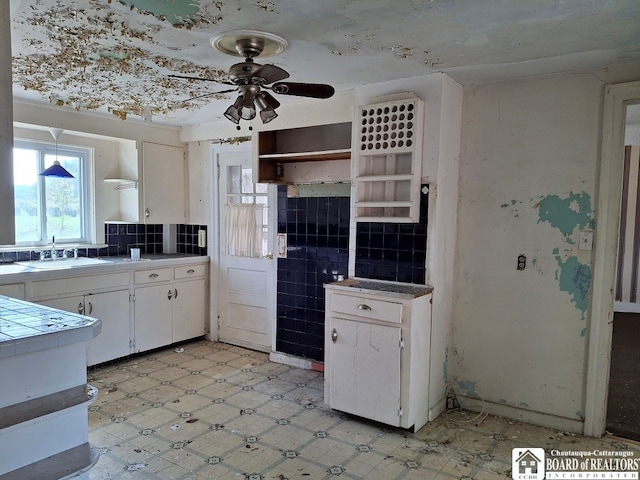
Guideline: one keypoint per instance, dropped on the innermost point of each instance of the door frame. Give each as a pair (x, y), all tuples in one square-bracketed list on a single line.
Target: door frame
[(606, 251), (216, 247)]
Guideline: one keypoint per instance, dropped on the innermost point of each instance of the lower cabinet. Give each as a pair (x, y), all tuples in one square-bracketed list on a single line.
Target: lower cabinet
[(165, 311), (377, 351), (112, 308)]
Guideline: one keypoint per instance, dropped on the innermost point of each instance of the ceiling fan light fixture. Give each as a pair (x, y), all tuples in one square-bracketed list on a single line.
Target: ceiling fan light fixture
[(267, 111), (233, 112)]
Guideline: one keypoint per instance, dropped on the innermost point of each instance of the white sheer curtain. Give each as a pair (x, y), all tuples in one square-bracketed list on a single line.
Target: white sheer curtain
[(244, 229)]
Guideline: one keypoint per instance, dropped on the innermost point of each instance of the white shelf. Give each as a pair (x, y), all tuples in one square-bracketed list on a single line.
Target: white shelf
[(388, 163), (339, 154)]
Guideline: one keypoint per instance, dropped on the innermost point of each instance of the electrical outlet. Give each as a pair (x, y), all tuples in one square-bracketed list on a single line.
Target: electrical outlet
[(202, 238), (586, 240)]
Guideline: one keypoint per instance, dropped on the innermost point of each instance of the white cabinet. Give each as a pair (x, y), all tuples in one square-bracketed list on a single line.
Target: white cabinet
[(13, 290), (170, 305), (377, 350), (112, 308), (154, 190), (388, 161), (163, 184)]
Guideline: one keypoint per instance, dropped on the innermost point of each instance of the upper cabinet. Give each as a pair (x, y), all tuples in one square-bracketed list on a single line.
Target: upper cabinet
[(151, 184), (282, 155), (388, 161)]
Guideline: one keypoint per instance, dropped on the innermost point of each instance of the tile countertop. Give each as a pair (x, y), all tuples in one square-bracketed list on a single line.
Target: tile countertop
[(18, 272), (27, 327), (397, 289)]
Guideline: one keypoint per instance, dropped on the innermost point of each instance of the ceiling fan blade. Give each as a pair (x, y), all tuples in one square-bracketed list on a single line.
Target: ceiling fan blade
[(314, 90), (224, 82), (270, 73), (202, 96)]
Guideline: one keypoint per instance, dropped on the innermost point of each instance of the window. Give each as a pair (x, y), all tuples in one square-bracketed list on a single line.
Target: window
[(247, 216), (47, 207)]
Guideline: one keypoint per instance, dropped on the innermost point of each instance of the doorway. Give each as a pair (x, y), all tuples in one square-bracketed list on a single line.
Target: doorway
[(623, 410), (246, 268)]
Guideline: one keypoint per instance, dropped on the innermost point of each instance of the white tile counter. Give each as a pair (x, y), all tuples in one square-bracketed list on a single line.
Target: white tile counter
[(26, 327), (44, 395)]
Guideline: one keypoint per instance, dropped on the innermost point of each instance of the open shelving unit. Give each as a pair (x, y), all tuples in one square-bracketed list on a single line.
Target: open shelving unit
[(388, 161)]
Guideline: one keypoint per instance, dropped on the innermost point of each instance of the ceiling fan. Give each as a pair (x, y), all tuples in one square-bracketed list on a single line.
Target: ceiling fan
[(253, 80)]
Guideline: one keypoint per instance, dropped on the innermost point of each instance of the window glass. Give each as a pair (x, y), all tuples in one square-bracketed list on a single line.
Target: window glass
[(47, 207)]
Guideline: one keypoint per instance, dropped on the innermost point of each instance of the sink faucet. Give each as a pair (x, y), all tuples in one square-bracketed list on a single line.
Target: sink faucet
[(54, 254)]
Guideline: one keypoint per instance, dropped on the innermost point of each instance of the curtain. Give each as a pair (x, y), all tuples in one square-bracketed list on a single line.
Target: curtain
[(244, 229)]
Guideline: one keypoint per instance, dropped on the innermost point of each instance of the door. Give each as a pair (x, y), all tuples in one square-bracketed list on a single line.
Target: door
[(188, 309), (365, 370), (153, 317), (246, 283), (113, 341), (163, 183)]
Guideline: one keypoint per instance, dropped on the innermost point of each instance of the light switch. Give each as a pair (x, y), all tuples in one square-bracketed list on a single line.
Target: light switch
[(585, 241), (202, 238), (282, 245)]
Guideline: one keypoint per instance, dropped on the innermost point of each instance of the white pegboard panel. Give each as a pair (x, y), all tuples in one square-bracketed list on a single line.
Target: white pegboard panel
[(390, 127)]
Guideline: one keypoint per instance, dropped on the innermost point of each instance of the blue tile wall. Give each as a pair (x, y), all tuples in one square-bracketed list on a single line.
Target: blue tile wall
[(317, 231), (393, 251)]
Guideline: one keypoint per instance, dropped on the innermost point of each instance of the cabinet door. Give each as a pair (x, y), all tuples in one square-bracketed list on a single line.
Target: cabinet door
[(152, 317), (113, 342), (188, 309), (73, 304), (364, 374), (163, 184)]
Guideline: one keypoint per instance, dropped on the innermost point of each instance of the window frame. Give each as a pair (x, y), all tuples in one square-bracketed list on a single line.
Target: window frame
[(85, 154)]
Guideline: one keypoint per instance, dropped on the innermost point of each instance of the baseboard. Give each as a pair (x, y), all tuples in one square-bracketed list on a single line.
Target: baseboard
[(438, 408), (528, 416), (291, 360)]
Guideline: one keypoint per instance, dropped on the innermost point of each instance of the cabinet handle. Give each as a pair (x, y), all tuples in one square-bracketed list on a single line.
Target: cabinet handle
[(169, 295), (175, 293), (147, 213), (90, 309), (364, 306), (191, 270), (81, 308), (334, 335), (153, 275)]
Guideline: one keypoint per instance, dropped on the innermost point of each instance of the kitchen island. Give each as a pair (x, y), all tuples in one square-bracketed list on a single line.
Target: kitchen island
[(44, 394)]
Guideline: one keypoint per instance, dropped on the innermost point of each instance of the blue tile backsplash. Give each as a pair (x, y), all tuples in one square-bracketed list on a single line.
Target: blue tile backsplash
[(121, 237), (393, 251)]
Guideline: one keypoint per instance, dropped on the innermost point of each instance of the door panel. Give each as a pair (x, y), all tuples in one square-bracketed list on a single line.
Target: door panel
[(246, 295), (365, 370)]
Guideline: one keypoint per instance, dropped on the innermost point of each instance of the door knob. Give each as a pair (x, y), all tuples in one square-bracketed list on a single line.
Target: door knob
[(334, 335), (269, 256)]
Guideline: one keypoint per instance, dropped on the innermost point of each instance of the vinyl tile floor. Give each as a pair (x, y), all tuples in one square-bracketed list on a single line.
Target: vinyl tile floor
[(214, 411)]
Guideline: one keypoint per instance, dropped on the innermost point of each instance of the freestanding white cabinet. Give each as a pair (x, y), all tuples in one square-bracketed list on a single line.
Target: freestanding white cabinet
[(377, 338)]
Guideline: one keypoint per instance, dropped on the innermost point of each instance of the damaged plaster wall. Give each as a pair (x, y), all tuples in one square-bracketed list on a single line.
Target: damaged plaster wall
[(527, 187)]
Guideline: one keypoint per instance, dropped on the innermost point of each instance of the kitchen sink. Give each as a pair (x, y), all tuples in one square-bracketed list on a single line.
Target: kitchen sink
[(62, 263)]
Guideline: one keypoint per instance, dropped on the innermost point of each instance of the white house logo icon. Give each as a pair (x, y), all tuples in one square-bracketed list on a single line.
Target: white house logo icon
[(527, 463)]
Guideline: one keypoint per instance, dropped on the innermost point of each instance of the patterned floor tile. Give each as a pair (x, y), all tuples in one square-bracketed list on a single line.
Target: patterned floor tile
[(214, 411)]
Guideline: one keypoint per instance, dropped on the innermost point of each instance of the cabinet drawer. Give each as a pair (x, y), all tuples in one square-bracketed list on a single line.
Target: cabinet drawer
[(189, 271), (152, 276), (367, 308), (75, 285)]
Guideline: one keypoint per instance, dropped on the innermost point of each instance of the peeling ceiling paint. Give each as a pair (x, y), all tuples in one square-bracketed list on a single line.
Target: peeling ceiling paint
[(113, 56)]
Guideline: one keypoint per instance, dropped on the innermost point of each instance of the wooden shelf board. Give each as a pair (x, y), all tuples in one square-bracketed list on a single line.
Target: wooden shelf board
[(384, 178), (342, 154), (403, 204)]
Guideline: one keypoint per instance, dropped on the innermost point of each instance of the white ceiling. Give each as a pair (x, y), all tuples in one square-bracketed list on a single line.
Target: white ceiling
[(114, 56)]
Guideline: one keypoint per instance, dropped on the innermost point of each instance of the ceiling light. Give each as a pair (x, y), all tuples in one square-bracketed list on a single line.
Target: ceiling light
[(232, 112), (56, 170), (267, 112)]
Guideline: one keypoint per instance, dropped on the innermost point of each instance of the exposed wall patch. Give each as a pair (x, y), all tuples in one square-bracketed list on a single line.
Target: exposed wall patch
[(575, 279), (566, 214)]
